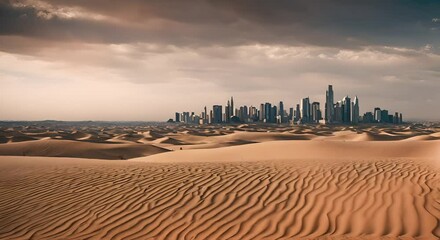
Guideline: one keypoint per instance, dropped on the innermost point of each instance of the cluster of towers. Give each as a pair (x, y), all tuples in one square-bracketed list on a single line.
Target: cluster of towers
[(344, 111)]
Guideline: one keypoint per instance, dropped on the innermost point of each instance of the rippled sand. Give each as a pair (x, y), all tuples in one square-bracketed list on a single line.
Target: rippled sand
[(230, 185)]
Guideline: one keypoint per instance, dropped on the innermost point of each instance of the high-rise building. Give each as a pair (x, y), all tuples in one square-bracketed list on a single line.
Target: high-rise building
[(329, 105), (384, 116), (305, 110), (316, 112), (338, 112), (297, 113), (355, 111), (262, 113), (281, 112), (267, 112), (346, 110), (186, 118), (177, 119), (228, 112), (232, 109), (218, 112), (291, 114), (377, 114), (273, 115)]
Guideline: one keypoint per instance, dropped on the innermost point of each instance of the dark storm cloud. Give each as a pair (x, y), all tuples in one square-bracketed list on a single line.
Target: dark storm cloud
[(342, 24)]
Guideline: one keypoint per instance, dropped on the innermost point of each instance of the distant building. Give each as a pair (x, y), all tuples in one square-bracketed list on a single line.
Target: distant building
[(218, 112), (297, 113), (338, 112), (377, 114), (384, 116), (281, 112), (305, 110), (368, 117), (316, 112), (262, 114), (355, 111), (267, 112), (177, 118), (329, 105), (273, 114), (346, 110)]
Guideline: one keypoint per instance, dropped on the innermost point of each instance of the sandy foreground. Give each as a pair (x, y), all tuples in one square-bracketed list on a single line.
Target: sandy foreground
[(283, 184)]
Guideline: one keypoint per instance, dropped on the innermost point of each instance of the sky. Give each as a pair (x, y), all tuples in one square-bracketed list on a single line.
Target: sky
[(144, 60)]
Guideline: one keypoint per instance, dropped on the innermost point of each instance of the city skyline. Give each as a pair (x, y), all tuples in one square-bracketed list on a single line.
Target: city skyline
[(141, 60), (345, 111)]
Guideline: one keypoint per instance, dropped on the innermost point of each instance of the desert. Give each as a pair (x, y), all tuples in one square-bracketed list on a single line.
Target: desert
[(247, 181)]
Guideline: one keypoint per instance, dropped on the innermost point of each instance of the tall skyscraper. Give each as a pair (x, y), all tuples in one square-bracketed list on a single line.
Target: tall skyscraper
[(316, 112), (355, 110), (232, 109), (262, 113), (228, 112), (218, 112), (273, 115), (346, 110), (291, 114), (177, 117), (305, 110), (267, 112), (329, 105), (281, 112), (297, 113), (205, 118)]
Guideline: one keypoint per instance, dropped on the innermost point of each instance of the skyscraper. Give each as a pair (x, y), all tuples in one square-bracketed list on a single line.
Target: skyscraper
[(346, 110), (316, 112), (384, 116), (377, 114), (177, 117), (338, 112), (281, 112), (297, 113), (291, 114), (305, 110), (232, 109), (273, 115), (205, 118), (228, 112), (267, 112), (262, 113), (355, 110), (218, 112), (329, 105)]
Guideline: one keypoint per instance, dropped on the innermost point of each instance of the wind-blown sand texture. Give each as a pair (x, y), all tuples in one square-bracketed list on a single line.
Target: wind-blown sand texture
[(290, 183)]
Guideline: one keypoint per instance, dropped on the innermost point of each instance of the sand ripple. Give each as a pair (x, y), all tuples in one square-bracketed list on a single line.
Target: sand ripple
[(80, 199)]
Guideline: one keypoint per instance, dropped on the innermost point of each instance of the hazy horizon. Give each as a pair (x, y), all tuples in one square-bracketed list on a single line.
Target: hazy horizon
[(143, 61)]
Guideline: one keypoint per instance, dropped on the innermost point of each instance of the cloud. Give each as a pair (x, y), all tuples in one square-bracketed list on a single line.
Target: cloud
[(341, 23), (166, 56)]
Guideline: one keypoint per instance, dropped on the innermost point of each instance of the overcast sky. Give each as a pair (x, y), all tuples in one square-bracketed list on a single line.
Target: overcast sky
[(145, 60)]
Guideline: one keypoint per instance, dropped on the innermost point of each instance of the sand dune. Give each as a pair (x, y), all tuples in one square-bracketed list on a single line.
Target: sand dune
[(51, 198), (67, 148), (228, 182), (303, 150)]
